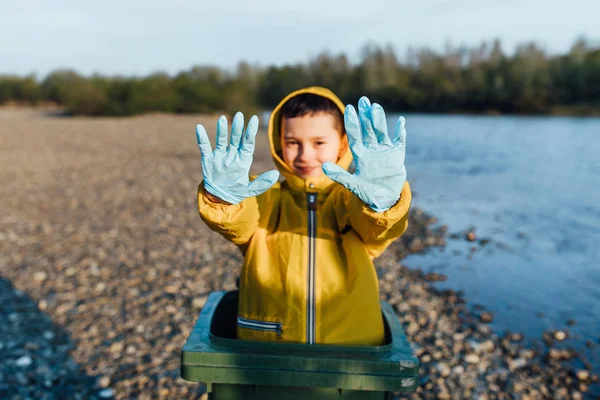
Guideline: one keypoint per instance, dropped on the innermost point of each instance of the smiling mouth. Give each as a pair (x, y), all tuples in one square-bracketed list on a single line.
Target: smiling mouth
[(306, 169)]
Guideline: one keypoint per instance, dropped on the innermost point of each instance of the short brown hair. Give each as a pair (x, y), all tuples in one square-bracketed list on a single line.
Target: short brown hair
[(308, 104)]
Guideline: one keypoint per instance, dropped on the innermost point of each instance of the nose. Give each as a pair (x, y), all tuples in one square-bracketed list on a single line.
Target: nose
[(305, 154)]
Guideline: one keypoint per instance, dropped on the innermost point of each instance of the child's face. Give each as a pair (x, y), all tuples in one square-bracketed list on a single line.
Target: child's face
[(309, 141)]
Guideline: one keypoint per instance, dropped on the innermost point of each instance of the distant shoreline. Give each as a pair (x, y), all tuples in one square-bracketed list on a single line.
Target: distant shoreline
[(591, 112)]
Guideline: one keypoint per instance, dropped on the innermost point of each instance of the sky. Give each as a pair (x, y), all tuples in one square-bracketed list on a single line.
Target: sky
[(119, 37)]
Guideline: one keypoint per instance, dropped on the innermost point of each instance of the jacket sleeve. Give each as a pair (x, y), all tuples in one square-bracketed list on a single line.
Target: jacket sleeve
[(376, 230), (235, 222)]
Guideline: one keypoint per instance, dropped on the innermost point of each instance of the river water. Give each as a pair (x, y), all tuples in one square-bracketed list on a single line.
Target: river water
[(531, 186)]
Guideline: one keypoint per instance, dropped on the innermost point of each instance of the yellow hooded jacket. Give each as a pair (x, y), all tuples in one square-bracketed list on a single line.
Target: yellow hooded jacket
[(308, 274)]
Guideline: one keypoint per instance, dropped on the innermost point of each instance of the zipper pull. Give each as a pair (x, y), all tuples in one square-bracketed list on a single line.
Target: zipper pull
[(312, 201)]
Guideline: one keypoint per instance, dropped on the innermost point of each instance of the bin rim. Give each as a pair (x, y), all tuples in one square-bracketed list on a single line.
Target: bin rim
[(392, 325)]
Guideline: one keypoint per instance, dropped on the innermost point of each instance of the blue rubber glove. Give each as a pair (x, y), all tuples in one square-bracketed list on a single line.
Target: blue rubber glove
[(226, 169), (380, 172)]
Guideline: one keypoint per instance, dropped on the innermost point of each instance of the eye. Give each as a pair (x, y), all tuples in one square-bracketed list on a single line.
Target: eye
[(320, 143), (291, 143)]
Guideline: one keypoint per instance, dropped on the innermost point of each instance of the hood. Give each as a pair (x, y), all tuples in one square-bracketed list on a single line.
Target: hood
[(295, 182)]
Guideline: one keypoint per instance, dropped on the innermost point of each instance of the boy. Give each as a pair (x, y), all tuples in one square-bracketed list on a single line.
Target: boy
[(309, 240)]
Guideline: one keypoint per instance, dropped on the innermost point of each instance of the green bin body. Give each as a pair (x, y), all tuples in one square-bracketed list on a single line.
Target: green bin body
[(242, 369)]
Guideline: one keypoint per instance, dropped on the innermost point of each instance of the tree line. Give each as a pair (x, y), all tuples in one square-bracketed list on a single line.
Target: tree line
[(480, 79)]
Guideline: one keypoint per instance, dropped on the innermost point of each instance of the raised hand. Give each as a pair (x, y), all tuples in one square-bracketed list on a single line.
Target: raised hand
[(226, 169), (380, 172)]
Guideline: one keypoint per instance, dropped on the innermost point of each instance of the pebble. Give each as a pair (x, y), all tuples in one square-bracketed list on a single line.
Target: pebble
[(434, 277), (104, 381), (444, 396), (528, 354), (472, 358), (583, 375), (40, 276), (117, 347), (458, 370), (486, 317), (48, 335), (560, 335), (106, 393), (444, 369), (488, 346), (171, 289), (517, 363), (24, 361), (558, 354)]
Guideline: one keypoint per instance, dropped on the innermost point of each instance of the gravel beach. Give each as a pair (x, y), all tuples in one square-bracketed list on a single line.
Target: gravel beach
[(105, 265)]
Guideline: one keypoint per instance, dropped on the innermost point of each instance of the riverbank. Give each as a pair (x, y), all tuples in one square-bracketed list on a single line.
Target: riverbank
[(100, 233), (461, 356)]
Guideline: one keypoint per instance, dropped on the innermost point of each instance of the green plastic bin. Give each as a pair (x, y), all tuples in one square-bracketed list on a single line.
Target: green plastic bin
[(241, 369)]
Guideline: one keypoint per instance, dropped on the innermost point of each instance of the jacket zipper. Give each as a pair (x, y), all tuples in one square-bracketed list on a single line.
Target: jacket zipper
[(312, 234), (259, 325)]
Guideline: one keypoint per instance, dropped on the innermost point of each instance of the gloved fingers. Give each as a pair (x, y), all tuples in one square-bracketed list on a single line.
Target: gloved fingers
[(263, 182), (339, 175), (380, 124), (203, 141), (247, 144), (400, 135), (364, 113), (237, 127), (222, 134), (352, 126)]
